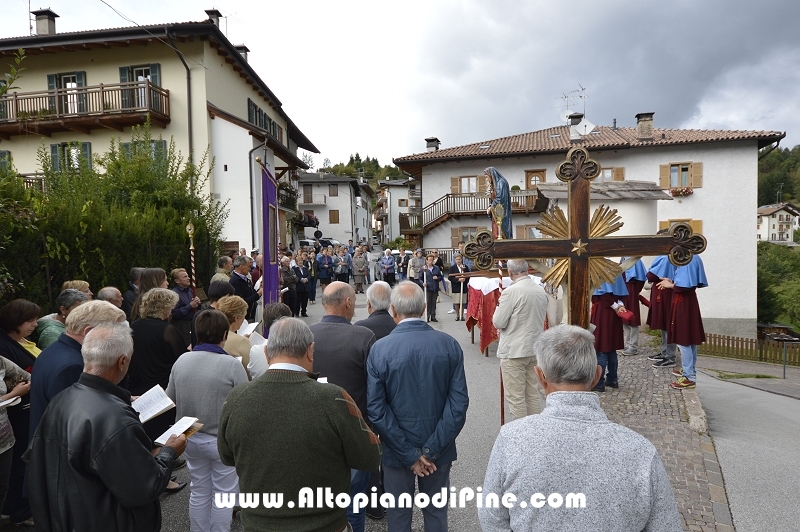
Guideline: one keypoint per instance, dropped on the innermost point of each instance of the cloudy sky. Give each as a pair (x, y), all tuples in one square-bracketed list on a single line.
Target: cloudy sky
[(378, 77)]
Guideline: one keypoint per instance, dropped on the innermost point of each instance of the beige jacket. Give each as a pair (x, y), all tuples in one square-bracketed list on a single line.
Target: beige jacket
[(519, 317)]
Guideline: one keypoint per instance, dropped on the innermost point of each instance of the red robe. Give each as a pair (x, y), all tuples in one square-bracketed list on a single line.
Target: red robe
[(632, 302), (608, 334), (685, 325), (660, 305)]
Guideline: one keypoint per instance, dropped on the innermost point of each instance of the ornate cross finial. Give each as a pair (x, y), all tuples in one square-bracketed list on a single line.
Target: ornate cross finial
[(578, 164)]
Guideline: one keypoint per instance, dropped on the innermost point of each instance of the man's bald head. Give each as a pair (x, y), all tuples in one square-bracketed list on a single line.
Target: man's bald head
[(339, 299)]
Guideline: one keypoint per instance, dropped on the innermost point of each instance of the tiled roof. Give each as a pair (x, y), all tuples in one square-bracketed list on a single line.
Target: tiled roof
[(766, 210), (613, 190), (557, 139)]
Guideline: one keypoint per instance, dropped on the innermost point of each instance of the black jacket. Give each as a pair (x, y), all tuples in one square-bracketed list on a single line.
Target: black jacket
[(89, 464), (244, 290), (128, 299), (380, 322)]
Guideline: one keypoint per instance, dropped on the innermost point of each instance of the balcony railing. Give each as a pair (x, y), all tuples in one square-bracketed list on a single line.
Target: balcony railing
[(312, 199), (458, 204), (415, 193), (381, 213), (287, 201), (410, 223), (80, 108)]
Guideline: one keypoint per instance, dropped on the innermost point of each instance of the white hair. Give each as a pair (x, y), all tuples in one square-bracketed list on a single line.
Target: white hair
[(566, 354), (379, 295), (408, 300), (103, 346)]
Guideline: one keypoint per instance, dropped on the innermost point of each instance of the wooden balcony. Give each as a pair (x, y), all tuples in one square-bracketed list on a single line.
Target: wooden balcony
[(312, 199), (410, 224), (415, 193), (83, 109), (381, 213), (452, 205)]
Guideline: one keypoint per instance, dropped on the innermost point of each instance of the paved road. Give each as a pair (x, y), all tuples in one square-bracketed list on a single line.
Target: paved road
[(756, 435)]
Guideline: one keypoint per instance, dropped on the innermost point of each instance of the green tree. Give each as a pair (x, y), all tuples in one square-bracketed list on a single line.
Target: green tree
[(128, 208), (778, 171), (13, 73)]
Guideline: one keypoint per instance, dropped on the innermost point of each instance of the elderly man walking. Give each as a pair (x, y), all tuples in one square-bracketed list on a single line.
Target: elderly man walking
[(606, 476), (519, 317), (90, 460), (417, 401), (341, 355), (285, 432)]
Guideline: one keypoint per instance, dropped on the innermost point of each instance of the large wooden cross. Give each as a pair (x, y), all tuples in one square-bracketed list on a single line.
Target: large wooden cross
[(581, 244)]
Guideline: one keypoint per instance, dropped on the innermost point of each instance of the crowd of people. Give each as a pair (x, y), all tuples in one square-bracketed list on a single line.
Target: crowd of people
[(74, 454)]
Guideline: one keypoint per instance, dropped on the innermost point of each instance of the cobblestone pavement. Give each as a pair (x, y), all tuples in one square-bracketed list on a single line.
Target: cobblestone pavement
[(644, 403)]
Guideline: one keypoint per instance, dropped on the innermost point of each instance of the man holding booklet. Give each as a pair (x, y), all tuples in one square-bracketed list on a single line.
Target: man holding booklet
[(90, 461)]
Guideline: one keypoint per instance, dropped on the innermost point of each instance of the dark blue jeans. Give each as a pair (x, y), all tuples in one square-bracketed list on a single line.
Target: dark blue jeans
[(359, 482), (607, 360), (311, 287)]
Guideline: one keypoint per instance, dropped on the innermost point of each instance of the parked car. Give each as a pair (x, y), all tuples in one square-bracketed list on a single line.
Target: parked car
[(375, 240), (329, 242)]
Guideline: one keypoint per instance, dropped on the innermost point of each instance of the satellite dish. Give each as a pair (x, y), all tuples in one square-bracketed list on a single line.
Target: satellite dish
[(584, 127), (565, 115)]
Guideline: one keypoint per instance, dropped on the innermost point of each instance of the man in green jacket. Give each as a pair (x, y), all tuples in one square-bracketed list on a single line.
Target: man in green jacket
[(295, 440)]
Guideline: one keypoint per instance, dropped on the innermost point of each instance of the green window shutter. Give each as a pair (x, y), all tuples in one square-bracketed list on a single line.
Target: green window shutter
[(159, 149), (5, 159), (125, 77), (55, 157), (51, 86), (155, 74), (125, 148), (250, 111), (80, 80), (86, 152)]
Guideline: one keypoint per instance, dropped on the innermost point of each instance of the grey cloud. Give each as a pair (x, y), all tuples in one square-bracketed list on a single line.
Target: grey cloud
[(495, 69)]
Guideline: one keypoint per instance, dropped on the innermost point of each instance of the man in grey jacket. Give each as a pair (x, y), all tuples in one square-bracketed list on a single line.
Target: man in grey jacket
[(570, 468), (519, 318)]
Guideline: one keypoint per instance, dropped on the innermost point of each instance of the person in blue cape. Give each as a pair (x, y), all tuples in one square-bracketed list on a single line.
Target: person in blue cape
[(635, 277), (686, 325), (500, 195), (608, 337), (660, 309)]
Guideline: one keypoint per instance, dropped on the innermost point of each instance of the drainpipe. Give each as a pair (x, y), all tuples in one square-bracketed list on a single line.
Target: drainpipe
[(252, 193), (188, 96)]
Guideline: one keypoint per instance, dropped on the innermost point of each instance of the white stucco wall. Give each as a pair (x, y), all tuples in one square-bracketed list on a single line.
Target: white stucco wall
[(230, 146), (725, 203)]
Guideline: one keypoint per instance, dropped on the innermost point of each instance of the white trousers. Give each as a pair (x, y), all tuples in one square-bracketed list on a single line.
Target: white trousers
[(208, 475)]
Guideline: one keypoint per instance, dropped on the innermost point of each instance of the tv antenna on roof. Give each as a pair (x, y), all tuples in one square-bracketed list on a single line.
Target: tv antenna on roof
[(572, 96)]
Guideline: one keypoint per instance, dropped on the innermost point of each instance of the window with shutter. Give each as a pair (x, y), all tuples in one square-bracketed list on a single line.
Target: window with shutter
[(333, 216), (455, 185), (455, 236), (483, 184), (663, 176), (696, 175), (618, 174), (333, 190), (5, 159), (696, 225), (69, 155)]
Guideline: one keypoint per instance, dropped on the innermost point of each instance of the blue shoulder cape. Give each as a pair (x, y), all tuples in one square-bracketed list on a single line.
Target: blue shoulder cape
[(618, 288), (693, 275), (636, 272), (662, 267)]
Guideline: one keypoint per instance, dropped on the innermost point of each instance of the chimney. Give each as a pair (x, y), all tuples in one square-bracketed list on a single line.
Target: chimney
[(45, 21), (432, 143), (214, 16), (243, 50), (644, 126), (574, 120)]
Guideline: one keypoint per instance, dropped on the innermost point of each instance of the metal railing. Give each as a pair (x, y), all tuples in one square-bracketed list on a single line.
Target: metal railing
[(312, 199), (94, 100), (288, 201)]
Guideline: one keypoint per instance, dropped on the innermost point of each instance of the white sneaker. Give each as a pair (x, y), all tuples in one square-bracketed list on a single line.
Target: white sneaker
[(451, 311)]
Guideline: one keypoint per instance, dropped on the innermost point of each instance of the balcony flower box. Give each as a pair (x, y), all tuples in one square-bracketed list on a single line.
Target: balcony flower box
[(681, 192)]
